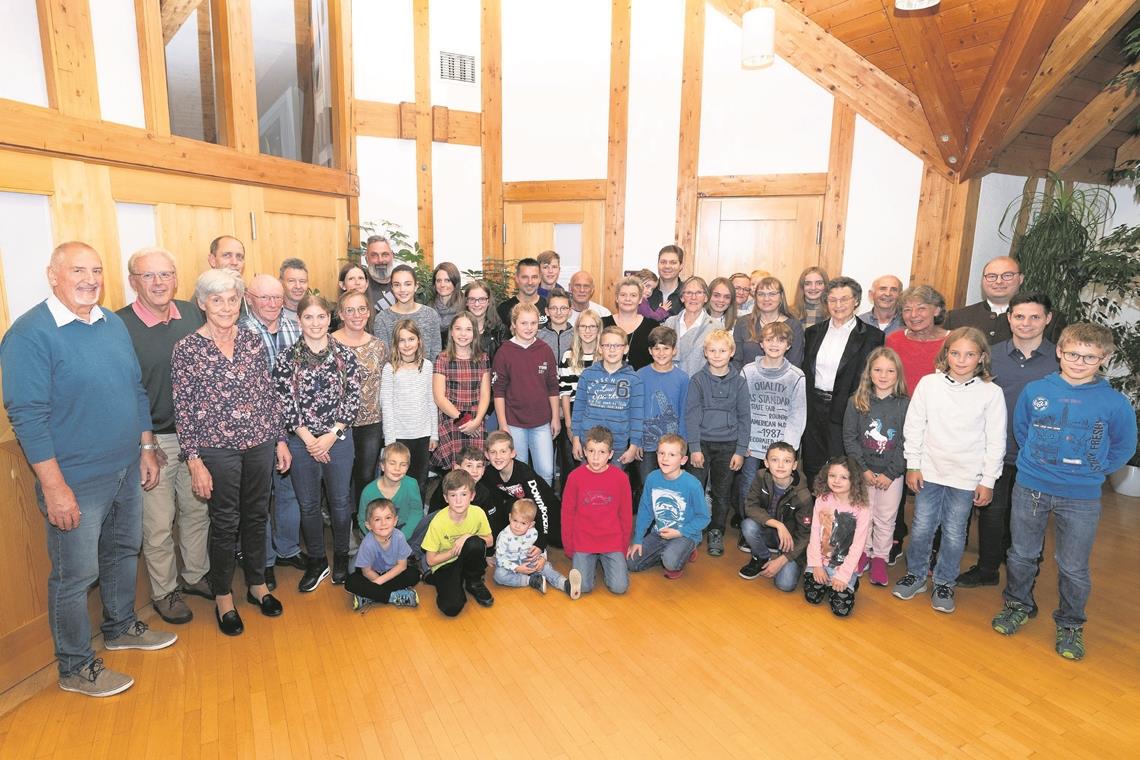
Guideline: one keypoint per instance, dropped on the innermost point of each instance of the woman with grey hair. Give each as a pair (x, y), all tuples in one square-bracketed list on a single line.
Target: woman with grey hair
[(231, 431), (923, 311)]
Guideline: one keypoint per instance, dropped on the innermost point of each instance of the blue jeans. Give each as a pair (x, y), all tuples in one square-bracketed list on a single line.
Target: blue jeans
[(831, 574), (308, 474), (614, 570), (283, 528), (937, 506), (748, 472), (505, 577), (535, 446), (1075, 522), (765, 544), (673, 553), (104, 547)]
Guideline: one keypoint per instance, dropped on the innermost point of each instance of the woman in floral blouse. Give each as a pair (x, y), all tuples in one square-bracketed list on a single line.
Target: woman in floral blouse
[(318, 382), (230, 430), (371, 353)]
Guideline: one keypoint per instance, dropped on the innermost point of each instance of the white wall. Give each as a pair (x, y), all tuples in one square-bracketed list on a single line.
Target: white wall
[(454, 26), (25, 249), (116, 40), (761, 121), (387, 169), (383, 64), (657, 33), (882, 210), (556, 81), (137, 229), (457, 205), (20, 51)]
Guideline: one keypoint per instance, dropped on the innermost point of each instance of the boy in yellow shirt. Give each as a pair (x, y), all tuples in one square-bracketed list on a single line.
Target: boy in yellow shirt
[(455, 547)]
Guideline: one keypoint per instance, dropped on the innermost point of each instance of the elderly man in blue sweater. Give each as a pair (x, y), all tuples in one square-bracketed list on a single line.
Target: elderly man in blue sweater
[(74, 394)]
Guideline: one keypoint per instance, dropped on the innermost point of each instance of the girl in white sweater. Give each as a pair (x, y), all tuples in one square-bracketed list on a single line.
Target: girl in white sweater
[(954, 443), (406, 401)]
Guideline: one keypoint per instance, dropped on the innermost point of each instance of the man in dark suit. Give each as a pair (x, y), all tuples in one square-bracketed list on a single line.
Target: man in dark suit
[(834, 354), (1001, 279)]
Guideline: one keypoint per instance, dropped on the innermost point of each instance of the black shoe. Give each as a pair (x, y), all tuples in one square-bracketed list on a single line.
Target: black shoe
[(842, 602), (479, 591), (752, 570), (270, 579), (230, 623), (268, 603), (316, 571), (893, 555), (297, 561), (813, 592), (340, 569), (734, 521), (975, 577)]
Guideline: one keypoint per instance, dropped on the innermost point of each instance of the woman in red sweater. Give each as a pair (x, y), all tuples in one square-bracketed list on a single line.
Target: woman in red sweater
[(923, 311)]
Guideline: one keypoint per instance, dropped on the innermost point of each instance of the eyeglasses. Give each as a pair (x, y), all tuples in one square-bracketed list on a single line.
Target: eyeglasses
[(478, 299), (839, 300), (558, 308), (269, 299), (1073, 356), (1005, 276), (613, 345), (149, 277), (587, 327), (767, 294), (353, 311), (742, 289)]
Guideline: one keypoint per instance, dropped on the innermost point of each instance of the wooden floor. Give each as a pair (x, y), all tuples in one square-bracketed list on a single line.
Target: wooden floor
[(708, 665)]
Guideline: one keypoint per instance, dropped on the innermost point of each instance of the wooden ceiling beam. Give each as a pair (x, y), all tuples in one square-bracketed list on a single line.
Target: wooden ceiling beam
[(1034, 25), (1099, 117), (1129, 150), (852, 79), (174, 15), (920, 42), (1077, 44)]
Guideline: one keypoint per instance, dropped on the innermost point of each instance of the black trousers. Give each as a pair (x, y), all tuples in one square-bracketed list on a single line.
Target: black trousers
[(718, 455), (239, 512), (450, 579), (421, 459), (380, 592), (367, 439), (993, 523), (822, 438)]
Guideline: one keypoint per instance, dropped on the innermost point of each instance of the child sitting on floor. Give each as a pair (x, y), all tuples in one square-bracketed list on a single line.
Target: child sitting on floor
[(840, 525), (382, 573), (517, 565), (671, 515)]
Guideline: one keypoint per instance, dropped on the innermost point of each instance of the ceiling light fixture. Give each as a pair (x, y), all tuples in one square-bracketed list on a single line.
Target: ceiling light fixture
[(758, 43), (915, 5)]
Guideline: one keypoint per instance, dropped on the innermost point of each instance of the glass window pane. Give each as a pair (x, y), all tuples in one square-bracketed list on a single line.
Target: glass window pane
[(294, 94), (114, 34), (25, 249), (20, 51), (189, 45)]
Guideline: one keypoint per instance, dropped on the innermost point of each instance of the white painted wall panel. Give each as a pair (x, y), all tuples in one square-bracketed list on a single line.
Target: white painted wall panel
[(137, 229), (656, 42), (387, 169), (457, 205), (116, 42), (454, 27), (760, 121), (20, 51), (26, 241), (882, 213), (383, 63), (556, 79)]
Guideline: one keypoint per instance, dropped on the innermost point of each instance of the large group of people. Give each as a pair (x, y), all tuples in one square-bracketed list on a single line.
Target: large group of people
[(442, 436)]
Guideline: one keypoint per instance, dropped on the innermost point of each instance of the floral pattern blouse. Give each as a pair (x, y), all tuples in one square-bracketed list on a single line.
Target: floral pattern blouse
[(318, 390), (371, 357), (223, 403)]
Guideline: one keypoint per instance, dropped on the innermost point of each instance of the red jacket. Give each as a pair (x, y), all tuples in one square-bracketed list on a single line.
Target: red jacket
[(597, 511)]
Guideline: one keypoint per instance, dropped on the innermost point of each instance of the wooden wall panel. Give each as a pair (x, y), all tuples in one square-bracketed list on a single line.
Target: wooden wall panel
[(424, 128), (762, 184), (491, 133), (944, 235), (236, 80), (83, 208), (614, 223), (69, 57), (152, 62), (689, 148), (556, 190), (838, 187)]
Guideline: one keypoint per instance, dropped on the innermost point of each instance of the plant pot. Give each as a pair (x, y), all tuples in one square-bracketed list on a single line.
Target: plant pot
[(1126, 481)]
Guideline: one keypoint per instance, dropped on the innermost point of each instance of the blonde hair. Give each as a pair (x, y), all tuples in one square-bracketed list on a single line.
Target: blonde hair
[(862, 397), (1090, 334), (576, 356), (722, 335), (800, 305), (407, 325), (524, 508), (521, 308), (975, 336)]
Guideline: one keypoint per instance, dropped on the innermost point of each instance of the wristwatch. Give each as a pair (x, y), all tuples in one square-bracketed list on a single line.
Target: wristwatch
[(339, 432)]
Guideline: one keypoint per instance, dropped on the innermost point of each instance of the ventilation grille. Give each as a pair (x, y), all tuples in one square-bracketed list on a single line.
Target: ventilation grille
[(457, 67)]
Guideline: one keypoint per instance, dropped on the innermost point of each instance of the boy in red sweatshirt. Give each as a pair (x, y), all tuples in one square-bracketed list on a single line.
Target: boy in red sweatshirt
[(597, 515)]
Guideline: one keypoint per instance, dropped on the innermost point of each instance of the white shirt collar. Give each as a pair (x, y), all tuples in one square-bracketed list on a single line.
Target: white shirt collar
[(63, 315), (997, 308), (847, 326)]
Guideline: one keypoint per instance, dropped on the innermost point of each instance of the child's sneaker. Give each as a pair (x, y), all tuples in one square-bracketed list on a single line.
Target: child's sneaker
[(574, 584), (742, 545), (1070, 642), (879, 572), (842, 602), (716, 543), (813, 592), (674, 574), (752, 570), (1010, 619), (359, 602), (893, 555), (537, 582), (405, 597), (909, 586), (943, 598), (864, 561)]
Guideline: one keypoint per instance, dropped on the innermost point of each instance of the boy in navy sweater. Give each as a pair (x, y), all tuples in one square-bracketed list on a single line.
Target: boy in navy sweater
[(671, 516), (1072, 430), (665, 388), (718, 422), (609, 394)]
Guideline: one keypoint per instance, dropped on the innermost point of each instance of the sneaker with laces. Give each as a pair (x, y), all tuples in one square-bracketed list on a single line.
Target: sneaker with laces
[(316, 572), (893, 555), (976, 576), (405, 597), (479, 591), (1010, 619), (752, 570), (140, 636), (361, 603), (537, 581), (864, 563), (173, 608), (574, 584), (1070, 642), (742, 545), (879, 572), (340, 568), (943, 598), (96, 680), (909, 586), (716, 543)]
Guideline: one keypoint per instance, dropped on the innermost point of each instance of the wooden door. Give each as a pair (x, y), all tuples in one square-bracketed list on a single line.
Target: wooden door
[(306, 226), (779, 234), (573, 228)]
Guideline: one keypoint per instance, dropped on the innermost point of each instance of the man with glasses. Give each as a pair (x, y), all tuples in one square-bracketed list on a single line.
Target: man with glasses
[(266, 299), (156, 321), (834, 354), (581, 291), (1001, 279), (742, 291)]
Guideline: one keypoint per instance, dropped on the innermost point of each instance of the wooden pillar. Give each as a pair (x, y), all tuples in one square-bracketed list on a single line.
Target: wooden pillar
[(618, 146), (491, 133), (838, 187), (424, 128), (944, 235), (69, 57), (152, 63), (236, 83), (689, 147)]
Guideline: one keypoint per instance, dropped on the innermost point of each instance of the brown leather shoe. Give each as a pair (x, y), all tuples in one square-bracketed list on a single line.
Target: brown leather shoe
[(173, 608)]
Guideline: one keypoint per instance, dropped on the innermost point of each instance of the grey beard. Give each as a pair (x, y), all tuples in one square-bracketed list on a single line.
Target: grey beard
[(378, 272)]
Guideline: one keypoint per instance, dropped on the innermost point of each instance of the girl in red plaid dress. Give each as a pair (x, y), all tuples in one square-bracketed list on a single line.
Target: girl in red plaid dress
[(462, 389)]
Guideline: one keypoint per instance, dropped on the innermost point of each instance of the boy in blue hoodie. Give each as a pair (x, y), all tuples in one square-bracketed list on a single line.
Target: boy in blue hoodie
[(665, 387), (1072, 429), (718, 422), (610, 394), (671, 516)]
